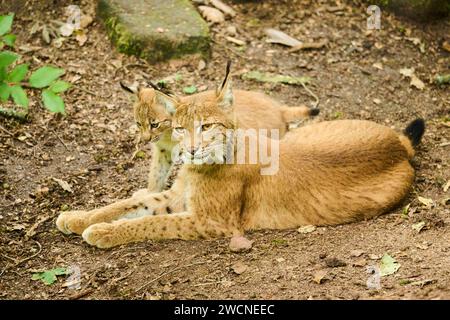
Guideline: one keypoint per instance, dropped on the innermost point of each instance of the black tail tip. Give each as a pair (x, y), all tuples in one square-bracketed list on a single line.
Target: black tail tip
[(314, 111), (414, 131)]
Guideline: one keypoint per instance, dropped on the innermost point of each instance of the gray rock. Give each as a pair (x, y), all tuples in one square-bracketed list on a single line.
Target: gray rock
[(153, 29)]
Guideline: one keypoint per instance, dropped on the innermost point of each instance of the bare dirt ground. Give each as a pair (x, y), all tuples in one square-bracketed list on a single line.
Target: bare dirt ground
[(355, 76)]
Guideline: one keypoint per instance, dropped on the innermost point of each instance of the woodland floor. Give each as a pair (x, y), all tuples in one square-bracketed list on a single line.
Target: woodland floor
[(91, 148)]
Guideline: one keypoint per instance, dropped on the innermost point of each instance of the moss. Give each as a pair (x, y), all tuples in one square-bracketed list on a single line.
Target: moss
[(417, 9), (133, 26)]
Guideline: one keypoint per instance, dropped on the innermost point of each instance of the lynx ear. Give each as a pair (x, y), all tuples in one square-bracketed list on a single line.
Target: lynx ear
[(169, 103), (225, 93), (129, 89)]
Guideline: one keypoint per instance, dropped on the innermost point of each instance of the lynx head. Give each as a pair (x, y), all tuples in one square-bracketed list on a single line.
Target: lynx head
[(152, 112), (202, 126)]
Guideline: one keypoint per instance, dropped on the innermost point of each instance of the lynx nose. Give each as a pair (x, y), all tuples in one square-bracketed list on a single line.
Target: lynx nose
[(192, 150)]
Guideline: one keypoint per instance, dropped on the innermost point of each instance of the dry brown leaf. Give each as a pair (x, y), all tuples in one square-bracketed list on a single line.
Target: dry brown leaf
[(277, 36), (425, 201), (416, 82), (81, 38), (63, 184), (211, 14), (361, 262), (306, 229), (446, 46), (319, 276), (356, 253), (446, 186), (309, 45)]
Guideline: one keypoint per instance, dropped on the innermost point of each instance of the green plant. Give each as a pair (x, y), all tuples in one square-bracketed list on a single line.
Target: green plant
[(13, 77)]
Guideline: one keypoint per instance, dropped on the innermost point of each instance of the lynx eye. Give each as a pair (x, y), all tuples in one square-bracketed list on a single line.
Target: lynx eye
[(155, 125), (179, 130), (207, 126)]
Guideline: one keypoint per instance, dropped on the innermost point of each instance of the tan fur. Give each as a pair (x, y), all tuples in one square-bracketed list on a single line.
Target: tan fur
[(330, 173)]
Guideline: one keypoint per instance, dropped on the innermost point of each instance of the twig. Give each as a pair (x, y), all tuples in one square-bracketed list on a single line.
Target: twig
[(316, 103), (309, 45), (59, 138), (87, 91), (31, 232), (81, 294), (169, 272), (7, 131), (25, 259), (32, 256)]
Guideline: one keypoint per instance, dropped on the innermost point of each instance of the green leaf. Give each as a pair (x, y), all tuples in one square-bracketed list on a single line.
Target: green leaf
[(18, 73), (53, 102), (6, 23), (9, 39), (59, 86), (190, 89), (19, 96), (7, 57), (44, 76), (275, 78), (388, 265), (4, 92), (2, 73), (50, 276)]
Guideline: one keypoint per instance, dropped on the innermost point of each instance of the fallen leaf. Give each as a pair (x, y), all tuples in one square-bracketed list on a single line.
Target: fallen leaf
[(239, 267), (418, 226), (356, 253), (407, 72), (376, 101), (426, 201), (50, 276), (309, 45), (63, 184), (361, 262), (416, 82), (422, 283), (274, 78), (223, 7), (277, 36), (306, 229), (388, 265), (211, 14), (319, 276), (240, 244), (66, 30), (378, 65), (85, 21), (374, 256), (81, 38), (446, 45), (279, 260), (190, 90)]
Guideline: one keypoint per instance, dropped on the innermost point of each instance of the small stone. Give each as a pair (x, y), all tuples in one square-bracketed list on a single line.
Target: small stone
[(239, 267), (356, 253), (231, 30), (240, 244), (334, 263)]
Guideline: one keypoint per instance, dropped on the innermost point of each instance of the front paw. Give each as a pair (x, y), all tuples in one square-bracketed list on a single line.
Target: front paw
[(72, 222), (102, 235)]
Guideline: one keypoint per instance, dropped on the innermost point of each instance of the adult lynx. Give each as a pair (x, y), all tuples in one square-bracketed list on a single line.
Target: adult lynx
[(329, 173)]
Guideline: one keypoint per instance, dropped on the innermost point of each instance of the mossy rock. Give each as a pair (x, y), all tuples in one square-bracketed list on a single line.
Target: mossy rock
[(155, 30), (417, 9)]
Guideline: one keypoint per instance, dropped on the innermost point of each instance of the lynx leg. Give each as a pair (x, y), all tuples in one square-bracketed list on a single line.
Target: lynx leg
[(181, 225), (140, 204), (160, 168)]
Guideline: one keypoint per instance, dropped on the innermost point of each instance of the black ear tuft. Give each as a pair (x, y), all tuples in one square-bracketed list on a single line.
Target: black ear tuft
[(126, 88), (227, 72), (415, 130)]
